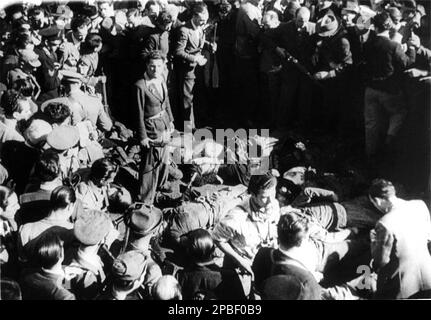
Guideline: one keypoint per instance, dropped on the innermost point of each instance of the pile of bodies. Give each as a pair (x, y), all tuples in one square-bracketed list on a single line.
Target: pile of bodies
[(111, 188)]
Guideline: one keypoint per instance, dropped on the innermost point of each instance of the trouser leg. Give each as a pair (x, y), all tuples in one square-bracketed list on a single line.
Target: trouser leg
[(153, 173), (372, 120), (187, 99)]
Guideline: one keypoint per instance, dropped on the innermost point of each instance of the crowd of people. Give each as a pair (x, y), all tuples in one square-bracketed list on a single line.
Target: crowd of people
[(109, 190)]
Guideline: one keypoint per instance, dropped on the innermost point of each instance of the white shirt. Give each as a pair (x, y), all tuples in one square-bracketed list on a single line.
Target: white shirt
[(247, 228)]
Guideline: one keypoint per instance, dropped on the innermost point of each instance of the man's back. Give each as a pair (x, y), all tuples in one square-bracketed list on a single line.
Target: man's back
[(42, 285), (93, 109), (270, 262), (401, 252), (223, 283), (385, 61)]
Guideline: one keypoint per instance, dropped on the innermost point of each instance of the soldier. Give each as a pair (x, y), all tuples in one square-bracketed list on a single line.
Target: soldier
[(47, 73), (86, 107)]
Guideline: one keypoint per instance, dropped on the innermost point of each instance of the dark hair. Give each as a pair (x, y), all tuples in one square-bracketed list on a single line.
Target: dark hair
[(154, 55), (92, 41), (24, 86), (382, 21), (57, 112), (9, 101), (109, 2), (18, 25), (119, 201), (15, 8), (89, 11), (261, 182), (61, 197), (287, 189), (79, 22), (47, 168), (102, 169), (164, 18), (150, 3), (200, 245), (10, 290), (199, 8), (21, 40), (381, 188), (5, 193), (48, 250), (132, 12), (35, 11), (291, 229)]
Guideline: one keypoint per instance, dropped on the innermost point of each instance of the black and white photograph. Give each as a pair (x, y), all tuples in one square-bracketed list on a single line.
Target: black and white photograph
[(225, 150)]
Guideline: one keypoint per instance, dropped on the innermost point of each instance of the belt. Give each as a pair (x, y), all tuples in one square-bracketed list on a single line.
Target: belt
[(157, 115)]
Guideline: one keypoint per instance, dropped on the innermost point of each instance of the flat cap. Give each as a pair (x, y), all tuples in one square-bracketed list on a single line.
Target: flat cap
[(129, 266), (51, 33), (91, 227)]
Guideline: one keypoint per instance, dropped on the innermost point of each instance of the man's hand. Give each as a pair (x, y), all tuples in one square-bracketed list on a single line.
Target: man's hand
[(171, 127), (200, 60), (146, 142), (414, 41), (322, 75), (416, 73), (213, 47), (102, 79), (246, 266)]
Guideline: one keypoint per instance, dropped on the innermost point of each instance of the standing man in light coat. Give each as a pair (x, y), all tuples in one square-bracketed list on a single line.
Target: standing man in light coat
[(399, 244)]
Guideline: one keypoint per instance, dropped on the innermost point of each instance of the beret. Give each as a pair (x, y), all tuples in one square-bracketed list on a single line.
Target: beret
[(91, 227)]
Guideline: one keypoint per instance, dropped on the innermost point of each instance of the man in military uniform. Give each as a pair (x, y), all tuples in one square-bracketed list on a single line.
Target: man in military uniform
[(70, 48), (47, 73), (85, 106), (27, 65)]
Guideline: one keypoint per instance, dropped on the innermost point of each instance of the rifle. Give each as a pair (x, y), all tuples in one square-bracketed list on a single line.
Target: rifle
[(214, 71), (301, 68), (105, 96)]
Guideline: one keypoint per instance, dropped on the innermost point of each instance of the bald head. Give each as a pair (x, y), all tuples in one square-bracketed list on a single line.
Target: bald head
[(302, 16), (270, 20)]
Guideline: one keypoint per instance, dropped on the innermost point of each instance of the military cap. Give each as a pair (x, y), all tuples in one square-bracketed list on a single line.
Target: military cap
[(71, 76), (62, 100), (30, 57), (63, 11), (92, 227), (63, 137), (51, 33)]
